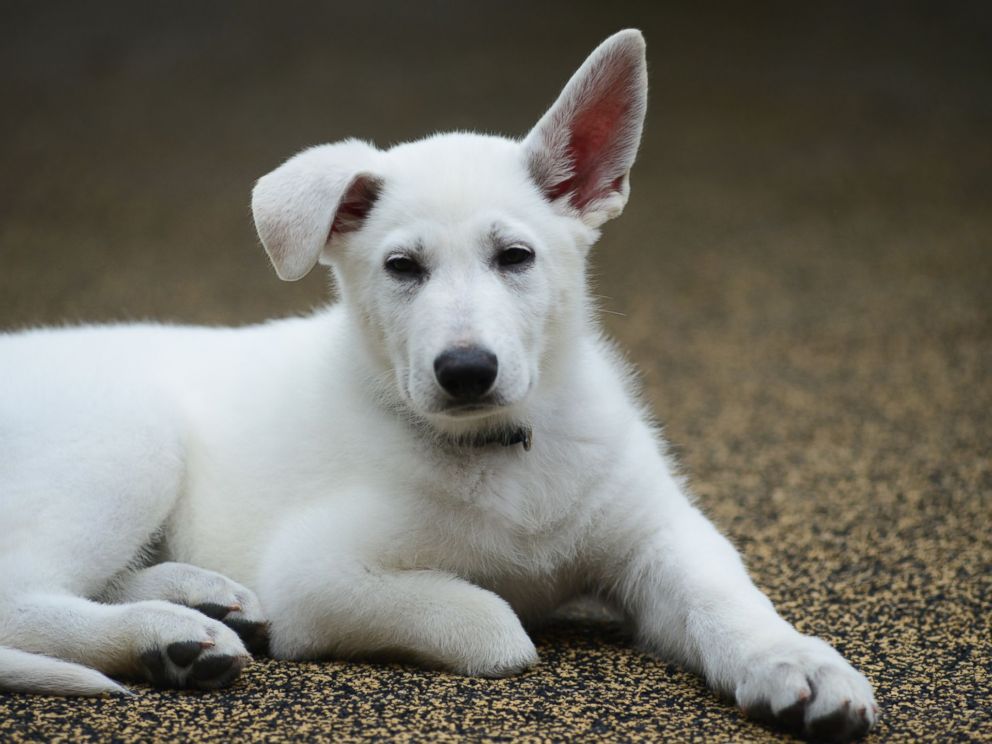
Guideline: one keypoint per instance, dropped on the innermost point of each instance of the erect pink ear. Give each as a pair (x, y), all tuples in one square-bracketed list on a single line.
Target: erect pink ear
[(582, 149), (311, 200)]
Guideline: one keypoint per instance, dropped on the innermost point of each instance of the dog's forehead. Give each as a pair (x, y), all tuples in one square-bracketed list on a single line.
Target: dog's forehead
[(454, 176)]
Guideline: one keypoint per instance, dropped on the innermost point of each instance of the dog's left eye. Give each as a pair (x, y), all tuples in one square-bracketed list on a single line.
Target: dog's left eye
[(514, 257), (404, 267)]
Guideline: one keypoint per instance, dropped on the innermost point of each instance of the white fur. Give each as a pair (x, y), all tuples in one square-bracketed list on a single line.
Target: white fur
[(314, 460)]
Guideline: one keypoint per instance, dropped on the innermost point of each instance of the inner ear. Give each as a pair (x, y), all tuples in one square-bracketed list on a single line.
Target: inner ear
[(359, 198), (583, 148), (596, 132)]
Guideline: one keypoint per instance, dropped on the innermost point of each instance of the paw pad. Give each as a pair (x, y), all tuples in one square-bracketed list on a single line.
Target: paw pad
[(216, 611), (184, 653)]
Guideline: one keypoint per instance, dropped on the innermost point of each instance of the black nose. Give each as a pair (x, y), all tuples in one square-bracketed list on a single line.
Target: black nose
[(466, 372)]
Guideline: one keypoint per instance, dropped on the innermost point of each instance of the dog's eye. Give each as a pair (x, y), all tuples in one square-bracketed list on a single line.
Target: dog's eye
[(514, 257), (404, 267)]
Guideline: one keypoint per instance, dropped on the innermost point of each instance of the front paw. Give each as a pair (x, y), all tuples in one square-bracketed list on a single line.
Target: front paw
[(494, 651), (806, 687), (484, 638)]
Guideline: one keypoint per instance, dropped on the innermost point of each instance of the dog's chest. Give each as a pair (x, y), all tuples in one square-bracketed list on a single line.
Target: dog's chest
[(508, 513)]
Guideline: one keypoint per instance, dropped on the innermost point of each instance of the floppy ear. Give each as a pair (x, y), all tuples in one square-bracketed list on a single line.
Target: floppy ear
[(582, 149), (311, 200)]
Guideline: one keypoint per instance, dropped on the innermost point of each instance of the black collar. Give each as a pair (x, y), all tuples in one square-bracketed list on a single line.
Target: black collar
[(506, 437)]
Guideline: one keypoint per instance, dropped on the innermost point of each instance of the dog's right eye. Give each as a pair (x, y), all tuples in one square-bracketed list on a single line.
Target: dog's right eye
[(404, 267)]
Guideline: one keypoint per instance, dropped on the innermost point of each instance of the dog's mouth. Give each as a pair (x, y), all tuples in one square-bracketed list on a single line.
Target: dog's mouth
[(469, 410)]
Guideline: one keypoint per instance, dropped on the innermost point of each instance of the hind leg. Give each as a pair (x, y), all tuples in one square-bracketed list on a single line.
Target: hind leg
[(168, 645), (209, 592), (84, 487)]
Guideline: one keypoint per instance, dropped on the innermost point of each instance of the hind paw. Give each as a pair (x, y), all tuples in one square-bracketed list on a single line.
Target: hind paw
[(208, 592), (180, 648)]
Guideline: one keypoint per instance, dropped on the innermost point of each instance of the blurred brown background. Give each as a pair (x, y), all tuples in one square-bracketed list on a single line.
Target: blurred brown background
[(803, 273)]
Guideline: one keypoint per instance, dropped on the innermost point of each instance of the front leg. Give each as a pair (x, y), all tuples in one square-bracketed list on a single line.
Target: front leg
[(327, 593), (691, 600)]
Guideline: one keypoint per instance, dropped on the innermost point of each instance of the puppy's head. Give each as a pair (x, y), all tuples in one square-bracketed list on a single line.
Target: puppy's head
[(462, 255)]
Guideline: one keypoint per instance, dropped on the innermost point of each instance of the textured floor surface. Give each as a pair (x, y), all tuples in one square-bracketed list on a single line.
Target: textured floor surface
[(804, 276)]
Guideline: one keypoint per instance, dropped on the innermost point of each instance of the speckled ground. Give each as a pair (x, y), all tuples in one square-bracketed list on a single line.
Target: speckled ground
[(804, 275)]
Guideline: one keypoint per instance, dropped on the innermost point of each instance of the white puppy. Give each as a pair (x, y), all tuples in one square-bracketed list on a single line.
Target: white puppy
[(450, 451)]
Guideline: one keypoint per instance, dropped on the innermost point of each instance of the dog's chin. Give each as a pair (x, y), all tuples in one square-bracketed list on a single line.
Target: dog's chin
[(468, 411), (467, 420)]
